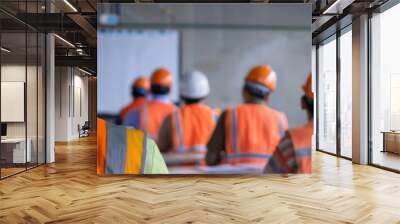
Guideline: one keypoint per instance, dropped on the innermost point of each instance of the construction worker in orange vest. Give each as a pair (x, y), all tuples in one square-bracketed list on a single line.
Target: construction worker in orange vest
[(150, 116), (249, 133), (185, 133), (293, 154), (124, 150), (139, 91)]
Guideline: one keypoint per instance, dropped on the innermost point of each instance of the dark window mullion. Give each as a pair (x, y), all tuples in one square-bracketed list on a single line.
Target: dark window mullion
[(338, 95), (317, 94), (26, 87), (369, 96), (37, 91)]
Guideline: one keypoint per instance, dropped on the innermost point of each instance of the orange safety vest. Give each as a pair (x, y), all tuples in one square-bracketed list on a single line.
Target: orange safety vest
[(135, 104), (120, 150), (252, 133), (301, 138), (152, 114), (192, 126)]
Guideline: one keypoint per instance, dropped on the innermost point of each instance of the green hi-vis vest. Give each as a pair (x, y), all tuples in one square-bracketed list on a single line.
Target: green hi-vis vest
[(123, 150)]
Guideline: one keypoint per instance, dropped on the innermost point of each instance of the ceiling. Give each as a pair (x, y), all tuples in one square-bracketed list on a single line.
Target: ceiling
[(264, 15), (72, 20)]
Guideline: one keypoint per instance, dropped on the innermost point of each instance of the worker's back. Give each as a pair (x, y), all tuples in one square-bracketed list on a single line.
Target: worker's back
[(134, 105), (192, 126), (293, 153), (252, 133), (153, 114), (139, 90), (150, 116)]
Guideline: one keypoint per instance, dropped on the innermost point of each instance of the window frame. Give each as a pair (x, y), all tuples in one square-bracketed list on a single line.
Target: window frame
[(371, 13), (334, 36)]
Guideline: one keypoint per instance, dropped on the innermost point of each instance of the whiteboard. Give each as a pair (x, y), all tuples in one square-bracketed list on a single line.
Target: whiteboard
[(122, 55), (12, 101)]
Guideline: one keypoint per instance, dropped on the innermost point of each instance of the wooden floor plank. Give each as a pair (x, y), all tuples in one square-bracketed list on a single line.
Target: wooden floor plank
[(69, 191)]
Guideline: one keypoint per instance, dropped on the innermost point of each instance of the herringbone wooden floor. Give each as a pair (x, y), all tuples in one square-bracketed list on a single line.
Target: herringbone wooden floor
[(70, 192)]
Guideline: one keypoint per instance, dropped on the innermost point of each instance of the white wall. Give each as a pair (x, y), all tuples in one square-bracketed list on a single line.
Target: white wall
[(33, 126), (69, 82), (12, 73), (227, 55), (17, 73), (62, 110)]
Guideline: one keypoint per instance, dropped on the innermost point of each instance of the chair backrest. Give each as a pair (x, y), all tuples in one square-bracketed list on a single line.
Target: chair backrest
[(86, 125)]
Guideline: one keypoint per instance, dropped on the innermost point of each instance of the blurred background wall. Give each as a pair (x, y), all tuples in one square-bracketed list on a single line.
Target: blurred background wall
[(126, 54), (217, 39), (227, 56)]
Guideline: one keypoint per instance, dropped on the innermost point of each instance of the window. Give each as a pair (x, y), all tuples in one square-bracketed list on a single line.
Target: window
[(385, 89), (346, 93), (327, 96)]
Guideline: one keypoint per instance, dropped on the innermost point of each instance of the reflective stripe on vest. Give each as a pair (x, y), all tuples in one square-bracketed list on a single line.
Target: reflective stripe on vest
[(303, 152), (152, 115), (234, 131), (282, 129), (181, 147), (248, 155), (144, 123), (144, 153), (121, 150)]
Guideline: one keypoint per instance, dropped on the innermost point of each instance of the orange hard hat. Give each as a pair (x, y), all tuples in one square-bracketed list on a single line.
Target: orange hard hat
[(264, 75), (307, 87), (141, 82), (161, 77)]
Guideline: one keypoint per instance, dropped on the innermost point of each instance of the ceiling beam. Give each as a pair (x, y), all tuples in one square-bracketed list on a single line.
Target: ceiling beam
[(84, 24), (77, 61)]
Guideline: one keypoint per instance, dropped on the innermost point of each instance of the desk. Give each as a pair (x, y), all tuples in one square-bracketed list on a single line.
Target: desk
[(13, 150), (391, 141), (220, 169), (174, 162), (178, 158)]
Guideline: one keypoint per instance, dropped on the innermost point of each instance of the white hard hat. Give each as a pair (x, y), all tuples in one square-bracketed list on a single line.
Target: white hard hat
[(194, 85)]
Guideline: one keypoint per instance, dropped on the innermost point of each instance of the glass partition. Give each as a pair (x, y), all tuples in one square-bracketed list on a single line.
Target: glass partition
[(22, 92), (327, 96), (15, 151)]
